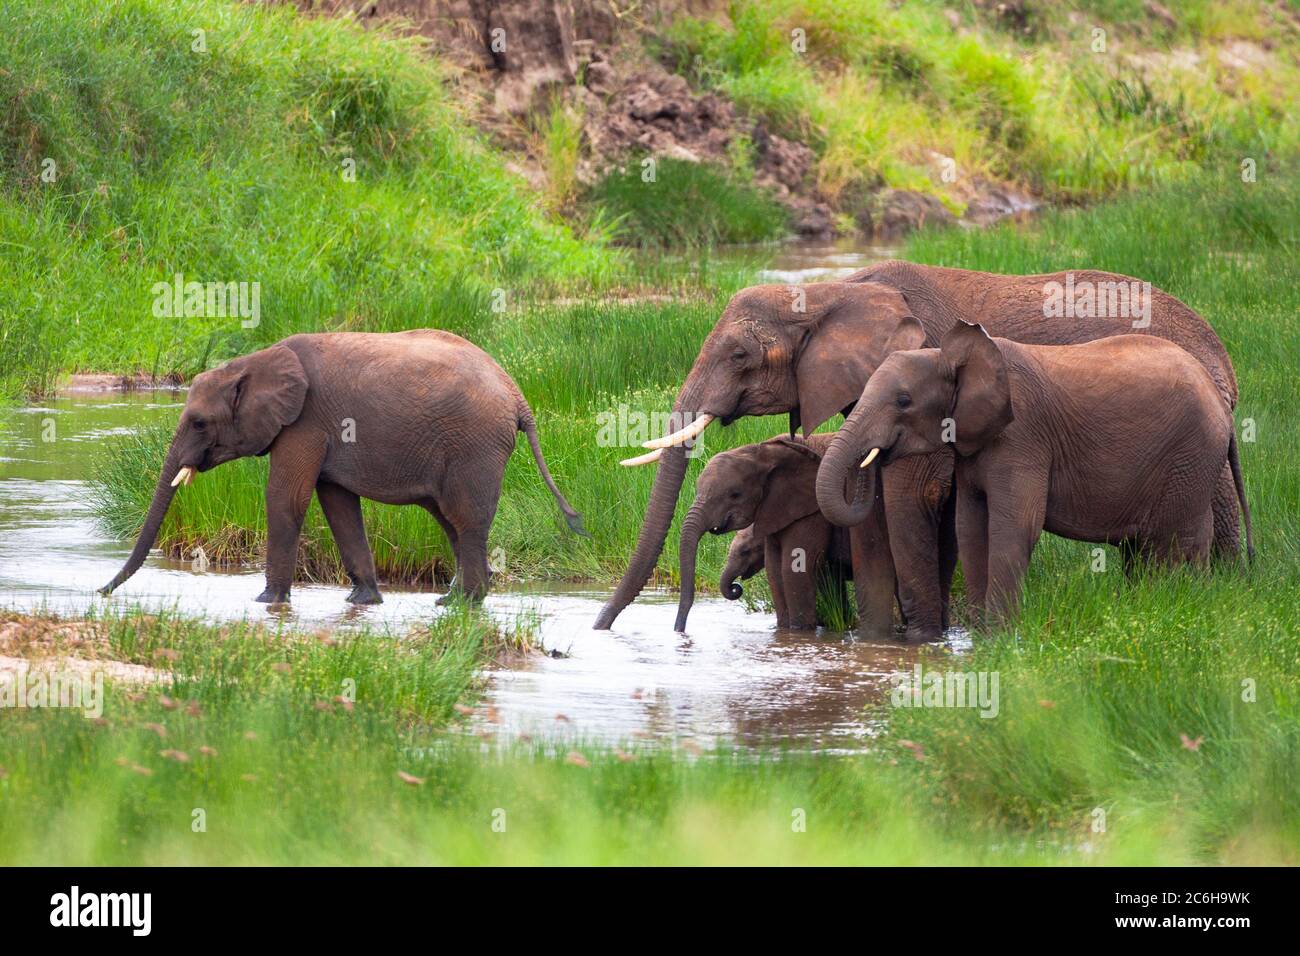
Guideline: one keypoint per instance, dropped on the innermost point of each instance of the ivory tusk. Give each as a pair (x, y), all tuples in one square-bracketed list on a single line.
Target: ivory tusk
[(642, 459), (186, 475), (870, 458), (681, 436)]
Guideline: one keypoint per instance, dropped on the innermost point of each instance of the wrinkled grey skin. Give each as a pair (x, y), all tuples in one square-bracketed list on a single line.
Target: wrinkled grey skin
[(764, 357), (420, 417), (1119, 441), (769, 489)]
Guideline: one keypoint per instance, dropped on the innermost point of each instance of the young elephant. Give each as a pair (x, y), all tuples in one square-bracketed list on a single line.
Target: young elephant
[(1117, 441), (794, 592), (420, 417), (772, 486)]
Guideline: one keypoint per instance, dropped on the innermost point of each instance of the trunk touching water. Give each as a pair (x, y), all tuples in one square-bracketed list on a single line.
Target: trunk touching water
[(692, 530), (840, 457), (654, 531), (163, 493), (669, 475)]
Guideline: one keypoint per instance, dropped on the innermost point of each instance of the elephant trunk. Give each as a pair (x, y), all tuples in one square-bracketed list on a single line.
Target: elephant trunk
[(727, 583), (669, 476), (163, 493), (839, 458), (692, 530)]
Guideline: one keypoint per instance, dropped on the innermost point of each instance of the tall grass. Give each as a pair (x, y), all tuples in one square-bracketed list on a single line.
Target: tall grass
[(877, 87), (680, 203), (323, 161)]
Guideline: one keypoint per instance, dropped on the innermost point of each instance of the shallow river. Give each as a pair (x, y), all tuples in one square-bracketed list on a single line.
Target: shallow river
[(734, 677)]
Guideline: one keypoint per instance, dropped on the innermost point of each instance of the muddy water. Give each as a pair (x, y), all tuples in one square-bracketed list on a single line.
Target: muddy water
[(733, 678)]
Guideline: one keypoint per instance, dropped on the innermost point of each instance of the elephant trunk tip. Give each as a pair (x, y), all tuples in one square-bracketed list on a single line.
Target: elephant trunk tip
[(574, 521), (733, 592)]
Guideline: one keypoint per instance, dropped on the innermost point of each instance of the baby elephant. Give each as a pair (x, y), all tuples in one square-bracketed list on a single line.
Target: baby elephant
[(1116, 441), (769, 489), (420, 417), (794, 594)]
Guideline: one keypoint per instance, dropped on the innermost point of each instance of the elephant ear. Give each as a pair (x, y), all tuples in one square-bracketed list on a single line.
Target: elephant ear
[(852, 328), (790, 491), (266, 391), (982, 401)]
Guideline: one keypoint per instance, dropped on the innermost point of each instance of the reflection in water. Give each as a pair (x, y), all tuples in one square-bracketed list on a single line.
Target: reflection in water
[(733, 677)]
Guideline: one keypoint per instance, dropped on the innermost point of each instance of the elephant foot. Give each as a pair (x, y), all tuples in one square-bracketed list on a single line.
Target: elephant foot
[(457, 596), (365, 594), (273, 595), (919, 634)]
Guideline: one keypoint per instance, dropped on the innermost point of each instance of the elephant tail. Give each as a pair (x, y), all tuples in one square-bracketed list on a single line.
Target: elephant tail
[(1234, 462), (528, 426)]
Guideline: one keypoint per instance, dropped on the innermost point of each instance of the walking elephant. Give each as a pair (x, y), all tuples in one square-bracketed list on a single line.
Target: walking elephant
[(808, 351), (1118, 441), (769, 489), (420, 417)]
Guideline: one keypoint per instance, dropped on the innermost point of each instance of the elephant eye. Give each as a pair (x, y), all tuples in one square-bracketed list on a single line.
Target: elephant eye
[(904, 400), (739, 355), (199, 424), (735, 494)]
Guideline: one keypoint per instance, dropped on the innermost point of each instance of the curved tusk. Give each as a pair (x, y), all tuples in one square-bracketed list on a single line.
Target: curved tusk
[(186, 475), (681, 436), (642, 459), (870, 458)]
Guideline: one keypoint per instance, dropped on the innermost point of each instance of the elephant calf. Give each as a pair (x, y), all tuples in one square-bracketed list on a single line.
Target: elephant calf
[(769, 490), (1117, 441), (794, 590), (420, 417)]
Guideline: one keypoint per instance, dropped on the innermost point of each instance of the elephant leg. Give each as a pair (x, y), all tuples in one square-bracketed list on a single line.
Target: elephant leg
[(1016, 512), (800, 578), (773, 565), (1130, 553), (947, 555), (1227, 527), (874, 583), (973, 543), (343, 514), (916, 490), (295, 465), (470, 511)]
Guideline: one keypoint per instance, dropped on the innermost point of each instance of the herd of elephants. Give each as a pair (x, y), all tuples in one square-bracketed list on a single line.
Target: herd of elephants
[(973, 423)]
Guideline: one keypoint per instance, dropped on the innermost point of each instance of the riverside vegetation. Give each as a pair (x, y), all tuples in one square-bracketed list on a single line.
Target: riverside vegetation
[(1147, 721)]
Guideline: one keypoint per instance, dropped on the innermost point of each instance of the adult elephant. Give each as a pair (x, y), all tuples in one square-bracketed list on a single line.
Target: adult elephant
[(808, 351), (420, 417)]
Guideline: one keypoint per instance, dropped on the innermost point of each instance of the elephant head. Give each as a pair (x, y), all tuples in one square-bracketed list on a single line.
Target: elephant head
[(767, 486), (802, 350), (231, 412), (902, 412), (745, 558)]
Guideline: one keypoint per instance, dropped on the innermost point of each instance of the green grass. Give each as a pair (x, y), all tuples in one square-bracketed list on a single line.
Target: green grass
[(249, 727), (879, 86), (323, 161), (685, 204)]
